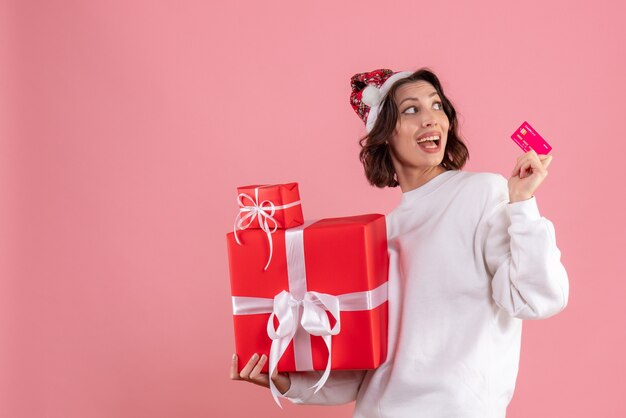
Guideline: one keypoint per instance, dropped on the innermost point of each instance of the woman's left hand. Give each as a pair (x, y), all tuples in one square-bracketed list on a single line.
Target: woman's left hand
[(531, 169)]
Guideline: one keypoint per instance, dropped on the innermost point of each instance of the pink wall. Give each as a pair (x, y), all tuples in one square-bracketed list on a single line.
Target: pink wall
[(127, 125)]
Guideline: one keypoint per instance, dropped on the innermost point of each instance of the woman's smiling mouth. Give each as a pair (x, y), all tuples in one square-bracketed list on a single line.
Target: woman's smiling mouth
[(429, 142)]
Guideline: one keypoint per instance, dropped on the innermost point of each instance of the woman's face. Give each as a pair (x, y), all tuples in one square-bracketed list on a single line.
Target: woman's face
[(421, 115)]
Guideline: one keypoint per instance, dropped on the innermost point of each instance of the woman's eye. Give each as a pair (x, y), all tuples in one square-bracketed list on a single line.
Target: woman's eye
[(414, 108)]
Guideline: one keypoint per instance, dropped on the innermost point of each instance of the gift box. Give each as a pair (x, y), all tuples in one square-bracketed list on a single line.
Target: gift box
[(275, 205), (325, 291)]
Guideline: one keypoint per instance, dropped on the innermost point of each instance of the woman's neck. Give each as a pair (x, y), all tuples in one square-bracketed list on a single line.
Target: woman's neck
[(410, 179)]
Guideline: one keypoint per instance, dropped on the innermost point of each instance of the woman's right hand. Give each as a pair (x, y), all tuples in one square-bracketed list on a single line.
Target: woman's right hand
[(252, 373)]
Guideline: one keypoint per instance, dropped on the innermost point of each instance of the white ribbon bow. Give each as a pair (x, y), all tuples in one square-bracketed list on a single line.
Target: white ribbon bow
[(313, 319), (263, 211)]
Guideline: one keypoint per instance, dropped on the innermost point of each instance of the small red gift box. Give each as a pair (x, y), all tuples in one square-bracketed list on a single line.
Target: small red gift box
[(337, 267), (281, 199)]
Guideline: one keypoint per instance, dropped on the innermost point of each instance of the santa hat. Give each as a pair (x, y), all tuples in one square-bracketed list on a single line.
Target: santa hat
[(369, 90)]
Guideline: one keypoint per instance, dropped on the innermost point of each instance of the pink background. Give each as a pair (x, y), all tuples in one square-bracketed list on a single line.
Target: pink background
[(126, 126)]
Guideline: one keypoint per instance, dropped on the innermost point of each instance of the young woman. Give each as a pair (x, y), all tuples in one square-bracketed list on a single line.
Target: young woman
[(470, 257)]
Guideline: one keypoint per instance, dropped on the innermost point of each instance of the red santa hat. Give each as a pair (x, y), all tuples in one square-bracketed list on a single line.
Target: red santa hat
[(368, 91)]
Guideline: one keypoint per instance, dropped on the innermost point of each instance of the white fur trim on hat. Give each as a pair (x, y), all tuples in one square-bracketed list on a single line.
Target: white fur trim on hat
[(381, 93)]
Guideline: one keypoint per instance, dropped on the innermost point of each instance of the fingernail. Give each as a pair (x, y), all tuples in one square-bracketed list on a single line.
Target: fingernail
[(234, 356), (255, 355), (263, 357)]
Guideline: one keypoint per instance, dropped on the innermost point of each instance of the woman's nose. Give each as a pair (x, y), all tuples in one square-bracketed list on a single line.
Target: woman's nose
[(429, 122), (428, 119)]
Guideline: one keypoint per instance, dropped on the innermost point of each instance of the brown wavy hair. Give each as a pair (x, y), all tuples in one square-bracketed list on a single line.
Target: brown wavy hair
[(375, 153)]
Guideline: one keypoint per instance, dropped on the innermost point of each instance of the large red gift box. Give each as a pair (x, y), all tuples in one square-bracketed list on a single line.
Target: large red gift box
[(284, 198), (344, 257)]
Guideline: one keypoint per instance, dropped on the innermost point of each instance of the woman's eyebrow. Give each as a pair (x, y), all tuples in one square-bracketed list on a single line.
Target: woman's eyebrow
[(434, 93)]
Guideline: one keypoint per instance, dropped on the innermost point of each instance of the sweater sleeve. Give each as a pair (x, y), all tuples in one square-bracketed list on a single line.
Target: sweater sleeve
[(519, 246), (341, 387)]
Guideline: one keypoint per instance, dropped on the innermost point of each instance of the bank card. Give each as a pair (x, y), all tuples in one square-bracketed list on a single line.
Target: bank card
[(528, 138)]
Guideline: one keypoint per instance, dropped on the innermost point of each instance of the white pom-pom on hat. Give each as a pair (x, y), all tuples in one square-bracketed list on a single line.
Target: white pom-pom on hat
[(371, 96)]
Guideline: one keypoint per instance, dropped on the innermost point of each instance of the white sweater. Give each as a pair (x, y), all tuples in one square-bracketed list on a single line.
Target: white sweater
[(465, 267)]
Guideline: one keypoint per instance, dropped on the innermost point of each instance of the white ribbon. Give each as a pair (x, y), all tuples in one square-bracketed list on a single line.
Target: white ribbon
[(263, 211), (302, 313), (314, 321)]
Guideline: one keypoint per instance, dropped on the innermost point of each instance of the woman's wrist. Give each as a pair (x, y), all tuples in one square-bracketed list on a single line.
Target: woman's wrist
[(283, 382), (518, 198)]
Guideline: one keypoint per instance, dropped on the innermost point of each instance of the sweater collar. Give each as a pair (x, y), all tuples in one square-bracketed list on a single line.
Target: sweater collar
[(431, 185)]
